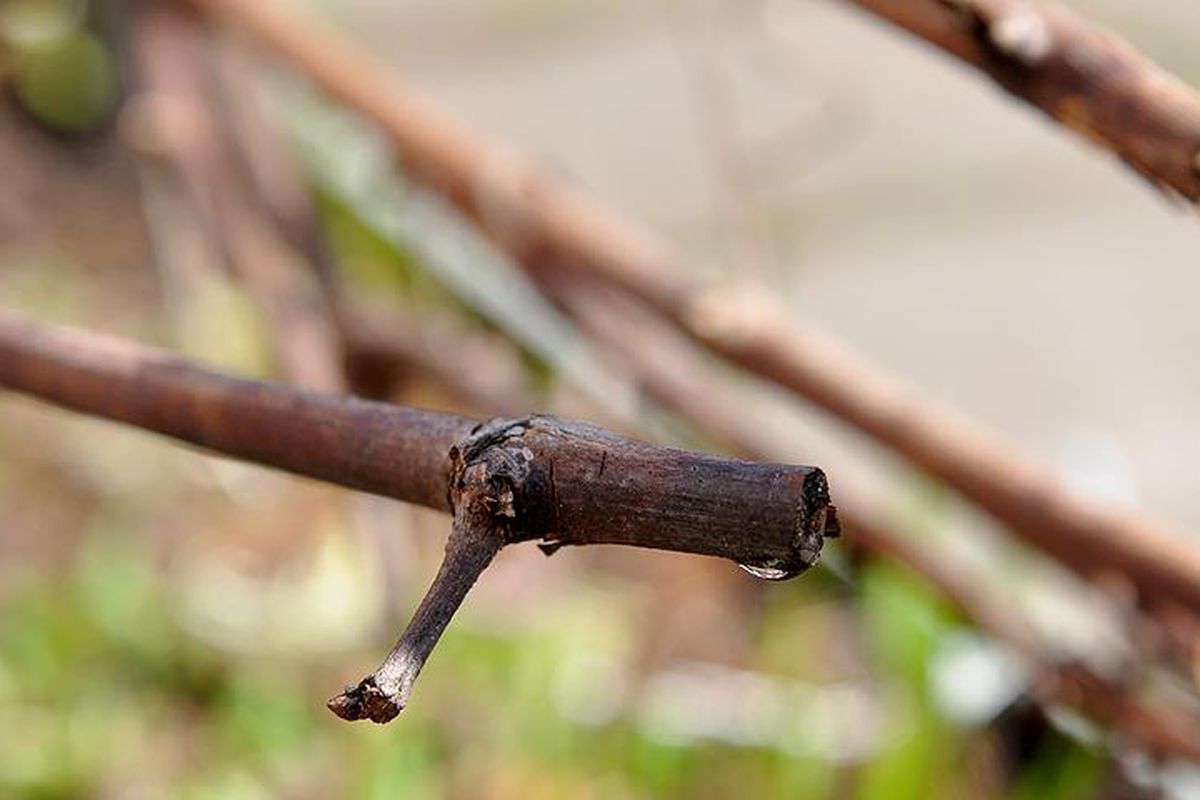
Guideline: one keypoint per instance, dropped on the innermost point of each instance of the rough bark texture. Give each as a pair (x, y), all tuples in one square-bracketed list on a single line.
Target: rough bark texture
[(571, 482), (484, 521)]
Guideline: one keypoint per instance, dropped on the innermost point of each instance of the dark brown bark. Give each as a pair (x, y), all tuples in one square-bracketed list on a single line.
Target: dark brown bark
[(381, 449), (1081, 76), (560, 482), (484, 521), (579, 484), (541, 222)]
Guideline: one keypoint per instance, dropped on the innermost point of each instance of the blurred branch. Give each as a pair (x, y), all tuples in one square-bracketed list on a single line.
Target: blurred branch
[(380, 343), (264, 157), (171, 120), (381, 347), (740, 205), (258, 214), (564, 483), (422, 225), (1080, 75), (671, 375), (539, 221)]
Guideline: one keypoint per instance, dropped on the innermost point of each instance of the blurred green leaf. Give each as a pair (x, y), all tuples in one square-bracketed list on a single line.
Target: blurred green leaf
[(1061, 770), (264, 716), (904, 619), (362, 253), (27, 23)]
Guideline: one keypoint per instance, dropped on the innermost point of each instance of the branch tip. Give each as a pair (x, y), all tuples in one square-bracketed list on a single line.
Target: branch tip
[(367, 701), (482, 489)]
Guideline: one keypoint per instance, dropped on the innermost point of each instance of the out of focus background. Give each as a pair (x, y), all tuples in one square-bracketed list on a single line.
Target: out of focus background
[(171, 622)]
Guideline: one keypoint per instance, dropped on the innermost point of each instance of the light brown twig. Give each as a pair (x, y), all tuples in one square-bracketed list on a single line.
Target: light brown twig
[(1078, 74)]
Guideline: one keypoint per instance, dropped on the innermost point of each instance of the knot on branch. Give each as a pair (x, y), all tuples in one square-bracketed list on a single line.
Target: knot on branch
[(366, 700), (488, 471), (736, 314), (1015, 31)]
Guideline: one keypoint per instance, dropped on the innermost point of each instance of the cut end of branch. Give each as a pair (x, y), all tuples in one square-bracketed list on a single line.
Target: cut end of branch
[(818, 522), (366, 701)]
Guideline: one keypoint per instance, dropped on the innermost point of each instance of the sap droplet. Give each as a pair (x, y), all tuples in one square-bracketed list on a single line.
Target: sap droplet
[(770, 573)]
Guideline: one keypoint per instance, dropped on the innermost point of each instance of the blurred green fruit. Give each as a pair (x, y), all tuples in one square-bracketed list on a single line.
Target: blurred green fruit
[(68, 84)]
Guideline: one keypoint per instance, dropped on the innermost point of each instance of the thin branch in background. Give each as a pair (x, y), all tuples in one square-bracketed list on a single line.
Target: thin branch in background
[(1082, 76), (171, 118), (559, 482), (739, 201), (380, 342), (664, 367), (539, 221), (261, 220), (264, 158), (674, 377), (383, 343)]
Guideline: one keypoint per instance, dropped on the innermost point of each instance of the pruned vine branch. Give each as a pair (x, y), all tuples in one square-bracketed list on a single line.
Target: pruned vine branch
[(535, 478), (544, 224)]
